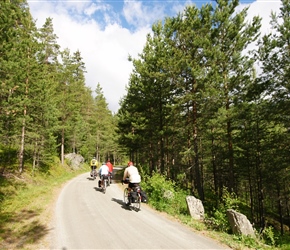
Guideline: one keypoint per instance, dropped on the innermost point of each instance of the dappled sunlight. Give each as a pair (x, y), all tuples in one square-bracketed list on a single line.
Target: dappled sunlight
[(30, 231)]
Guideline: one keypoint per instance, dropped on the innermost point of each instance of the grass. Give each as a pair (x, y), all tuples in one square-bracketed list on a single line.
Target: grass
[(26, 205)]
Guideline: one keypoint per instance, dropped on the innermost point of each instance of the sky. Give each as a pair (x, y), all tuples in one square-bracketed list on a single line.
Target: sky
[(106, 32)]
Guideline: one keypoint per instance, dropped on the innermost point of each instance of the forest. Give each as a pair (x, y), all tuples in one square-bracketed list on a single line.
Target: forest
[(210, 111), (204, 108), (46, 109)]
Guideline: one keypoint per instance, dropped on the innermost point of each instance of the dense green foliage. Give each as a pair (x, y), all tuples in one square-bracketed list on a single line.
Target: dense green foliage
[(166, 196), (209, 113), (46, 110)]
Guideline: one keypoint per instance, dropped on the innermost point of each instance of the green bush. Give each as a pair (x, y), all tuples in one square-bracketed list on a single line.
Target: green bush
[(219, 220), (164, 195), (269, 236), (8, 158)]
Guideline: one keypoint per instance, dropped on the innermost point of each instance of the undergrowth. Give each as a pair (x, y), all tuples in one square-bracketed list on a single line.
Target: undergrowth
[(165, 195)]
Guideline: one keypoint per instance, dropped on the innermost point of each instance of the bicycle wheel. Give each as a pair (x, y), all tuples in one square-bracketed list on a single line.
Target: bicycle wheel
[(105, 186), (137, 204), (126, 200)]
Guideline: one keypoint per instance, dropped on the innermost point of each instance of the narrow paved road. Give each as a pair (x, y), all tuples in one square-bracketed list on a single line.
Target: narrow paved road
[(85, 218)]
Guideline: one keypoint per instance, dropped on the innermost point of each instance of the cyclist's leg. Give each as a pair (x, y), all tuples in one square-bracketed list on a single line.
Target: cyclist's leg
[(130, 187)]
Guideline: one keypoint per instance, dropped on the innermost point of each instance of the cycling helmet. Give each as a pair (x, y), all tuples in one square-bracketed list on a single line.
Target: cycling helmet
[(130, 163)]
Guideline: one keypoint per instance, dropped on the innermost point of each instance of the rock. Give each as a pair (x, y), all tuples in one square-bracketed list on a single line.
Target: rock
[(239, 223), (168, 195), (195, 207), (74, 160)]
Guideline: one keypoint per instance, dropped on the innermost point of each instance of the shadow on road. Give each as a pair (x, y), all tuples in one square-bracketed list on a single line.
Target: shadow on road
[(98, 189), (90, 178), (122, 203)]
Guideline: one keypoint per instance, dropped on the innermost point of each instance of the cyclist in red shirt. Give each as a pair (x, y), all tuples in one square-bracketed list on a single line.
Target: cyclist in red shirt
[(111, 168)]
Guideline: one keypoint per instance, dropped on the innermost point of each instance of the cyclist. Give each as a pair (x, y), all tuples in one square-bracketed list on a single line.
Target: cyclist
[(94, 164), (103, 173), (111, 168), (132, 173)]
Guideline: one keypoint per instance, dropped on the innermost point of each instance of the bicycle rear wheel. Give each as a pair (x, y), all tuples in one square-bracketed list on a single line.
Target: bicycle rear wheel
[(126, 199), (104, 186), (137, 204)]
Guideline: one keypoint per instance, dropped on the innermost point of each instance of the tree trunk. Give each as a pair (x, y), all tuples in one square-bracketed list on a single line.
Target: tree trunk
[(21, 151), (214, 167), (251, 194), (280, 210), (34, 156), (198, 180), (62, 147), (231, 175)]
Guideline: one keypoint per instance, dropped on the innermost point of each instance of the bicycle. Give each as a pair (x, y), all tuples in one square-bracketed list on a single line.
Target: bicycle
[(105, 183), (94, 174), (110, 178), (131, 200)]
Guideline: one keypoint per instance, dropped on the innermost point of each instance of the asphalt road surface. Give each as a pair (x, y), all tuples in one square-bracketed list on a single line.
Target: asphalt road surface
[(86, 218)]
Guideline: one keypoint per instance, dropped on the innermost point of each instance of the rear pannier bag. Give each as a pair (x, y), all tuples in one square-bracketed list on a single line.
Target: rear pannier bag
[(133, 196), (144, 197)]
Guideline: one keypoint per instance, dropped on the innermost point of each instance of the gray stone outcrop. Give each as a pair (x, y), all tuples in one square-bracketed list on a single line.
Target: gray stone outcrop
[(239, 223), (195, 207), (74, 160)]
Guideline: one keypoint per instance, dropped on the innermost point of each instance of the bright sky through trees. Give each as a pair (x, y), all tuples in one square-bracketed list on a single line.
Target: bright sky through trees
[(107, 31)]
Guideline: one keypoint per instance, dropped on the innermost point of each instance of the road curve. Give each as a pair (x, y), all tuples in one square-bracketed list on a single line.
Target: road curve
[(85, 218)]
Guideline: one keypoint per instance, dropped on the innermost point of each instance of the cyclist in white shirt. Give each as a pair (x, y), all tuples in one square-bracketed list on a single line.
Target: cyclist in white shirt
[(103, 172)]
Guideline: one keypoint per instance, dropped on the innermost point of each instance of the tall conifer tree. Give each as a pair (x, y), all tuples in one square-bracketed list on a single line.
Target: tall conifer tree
[(274, 53), (18, 64)]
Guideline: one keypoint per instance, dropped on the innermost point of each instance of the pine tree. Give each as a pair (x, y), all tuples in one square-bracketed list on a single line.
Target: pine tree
[(103, 120), (18, 63), (232, 72), (45, 96), (274, 88)]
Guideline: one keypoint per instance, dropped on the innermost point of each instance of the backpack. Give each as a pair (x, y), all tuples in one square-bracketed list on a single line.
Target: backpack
[(144, 197)]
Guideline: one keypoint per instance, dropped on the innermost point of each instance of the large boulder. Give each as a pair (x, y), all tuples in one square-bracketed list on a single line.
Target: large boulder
[(74, 160), (239, 223), (195, 207)]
